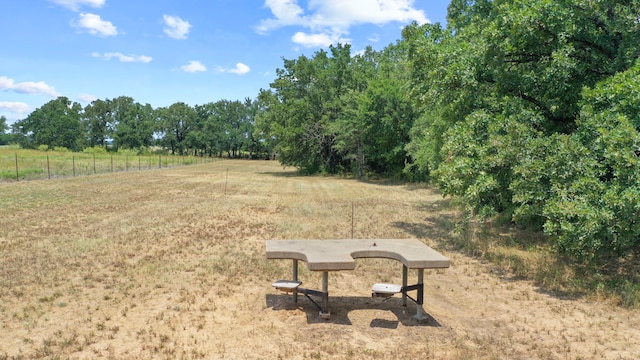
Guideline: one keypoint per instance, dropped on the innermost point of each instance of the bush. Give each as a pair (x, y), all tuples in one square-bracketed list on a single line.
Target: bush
[(480, 155), (594, 212), (95, 150), (547, 165), (12, 146)]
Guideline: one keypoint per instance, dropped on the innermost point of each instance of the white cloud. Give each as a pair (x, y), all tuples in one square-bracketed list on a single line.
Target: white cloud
[(76, 4), (176, 27), (19, 108), (28, 87), (312, 40), (95, 25), (240, 69), (122, 57), (332, 19), (86, 98), (347, 13), (286, 12), (194, 66)]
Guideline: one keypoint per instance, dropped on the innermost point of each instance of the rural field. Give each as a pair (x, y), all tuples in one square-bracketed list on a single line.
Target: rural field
[(170, 264)]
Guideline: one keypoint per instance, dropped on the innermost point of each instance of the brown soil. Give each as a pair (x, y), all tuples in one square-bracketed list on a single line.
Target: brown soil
[(170, 264)]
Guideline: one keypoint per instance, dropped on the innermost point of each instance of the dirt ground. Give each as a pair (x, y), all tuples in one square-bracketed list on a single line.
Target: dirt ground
[(170, 264)]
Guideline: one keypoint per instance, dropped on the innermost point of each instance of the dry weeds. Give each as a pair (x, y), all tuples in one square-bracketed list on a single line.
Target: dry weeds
[(170, 264)]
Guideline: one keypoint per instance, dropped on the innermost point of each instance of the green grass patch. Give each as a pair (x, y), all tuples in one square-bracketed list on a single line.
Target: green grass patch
[(40, 164), (22, 174)]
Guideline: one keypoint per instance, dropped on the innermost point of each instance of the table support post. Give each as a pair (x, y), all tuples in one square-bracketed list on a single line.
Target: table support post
[(420, 315), (404, 284), (325, 313), (295, 278)]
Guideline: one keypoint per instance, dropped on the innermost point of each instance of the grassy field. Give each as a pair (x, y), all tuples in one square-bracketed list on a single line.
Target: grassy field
[(170, 264), (21, 164)]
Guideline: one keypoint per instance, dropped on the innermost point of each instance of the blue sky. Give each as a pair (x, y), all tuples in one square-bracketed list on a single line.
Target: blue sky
[(165, 51)]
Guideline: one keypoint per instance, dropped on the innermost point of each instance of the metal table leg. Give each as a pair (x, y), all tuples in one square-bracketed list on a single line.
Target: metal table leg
[(404, 284), (420, 315), (295, 278)]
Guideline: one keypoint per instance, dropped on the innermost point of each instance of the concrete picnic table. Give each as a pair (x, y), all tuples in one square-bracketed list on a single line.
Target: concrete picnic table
[(340, 254)]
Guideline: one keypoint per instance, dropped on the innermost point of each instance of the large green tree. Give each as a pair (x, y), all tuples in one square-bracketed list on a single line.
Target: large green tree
[(376, 114), (98, 122), (228, 126), (55, 124), (210, 133), (4, 137), (128, 123), (176, 122), (3, 124), (304, 100), (255, 143), (504, 113), (134, 123), (338, 112), (505, 72), (233, 116), (594, 211)]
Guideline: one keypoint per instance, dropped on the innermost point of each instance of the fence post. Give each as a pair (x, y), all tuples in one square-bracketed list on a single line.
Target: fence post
[(48, 168), (17, 171), (226, 180), (352, 219)]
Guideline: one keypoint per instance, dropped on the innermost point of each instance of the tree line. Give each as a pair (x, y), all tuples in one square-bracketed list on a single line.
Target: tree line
[(523, 108), (219, 128)]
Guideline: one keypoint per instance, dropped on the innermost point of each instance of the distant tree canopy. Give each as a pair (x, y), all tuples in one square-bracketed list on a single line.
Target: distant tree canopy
[(338, 112), (56, 124), (223, 127), (4, 137), (527, 108)]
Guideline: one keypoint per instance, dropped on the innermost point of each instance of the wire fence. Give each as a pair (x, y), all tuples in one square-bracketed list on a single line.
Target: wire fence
[(33, 165)]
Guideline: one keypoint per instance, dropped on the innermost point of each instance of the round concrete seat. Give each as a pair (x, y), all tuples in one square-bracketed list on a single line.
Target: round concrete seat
[(385, 290), (286, 285)]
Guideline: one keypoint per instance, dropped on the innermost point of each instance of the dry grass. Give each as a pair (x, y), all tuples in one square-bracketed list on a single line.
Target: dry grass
[(170, 264)]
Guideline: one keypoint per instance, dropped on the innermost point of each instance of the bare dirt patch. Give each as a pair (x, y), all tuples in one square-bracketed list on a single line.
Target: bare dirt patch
[(170, 264)]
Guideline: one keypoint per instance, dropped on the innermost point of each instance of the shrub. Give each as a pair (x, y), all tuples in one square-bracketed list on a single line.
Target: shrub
[(594, 213), (95, 150)]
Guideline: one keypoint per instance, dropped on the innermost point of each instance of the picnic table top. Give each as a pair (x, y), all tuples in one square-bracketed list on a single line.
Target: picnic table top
[(340, 254)]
